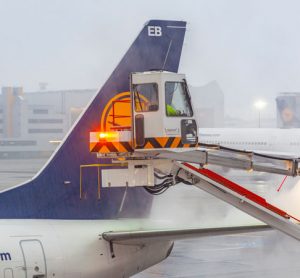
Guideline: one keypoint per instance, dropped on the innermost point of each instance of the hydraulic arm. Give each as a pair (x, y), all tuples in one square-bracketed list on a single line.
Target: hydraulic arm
[(240, 198)]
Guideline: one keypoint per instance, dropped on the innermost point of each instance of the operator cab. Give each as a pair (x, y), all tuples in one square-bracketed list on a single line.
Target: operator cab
[(162, 107), (161, 115)]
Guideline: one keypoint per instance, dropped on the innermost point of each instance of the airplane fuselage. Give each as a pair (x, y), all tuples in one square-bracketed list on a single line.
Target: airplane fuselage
[(259, 139), (51, 248)]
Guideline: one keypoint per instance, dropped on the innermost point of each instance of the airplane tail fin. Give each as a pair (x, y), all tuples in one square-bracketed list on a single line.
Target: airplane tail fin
[(54, 193)]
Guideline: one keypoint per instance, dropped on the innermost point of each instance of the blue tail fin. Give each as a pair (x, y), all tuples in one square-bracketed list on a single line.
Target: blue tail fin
[(54, 192)]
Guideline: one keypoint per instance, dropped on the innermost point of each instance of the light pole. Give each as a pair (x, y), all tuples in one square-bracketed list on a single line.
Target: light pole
[(259, 105)]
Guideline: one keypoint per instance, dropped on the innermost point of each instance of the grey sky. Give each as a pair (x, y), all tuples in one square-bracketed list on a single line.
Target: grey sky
[(250, 47)]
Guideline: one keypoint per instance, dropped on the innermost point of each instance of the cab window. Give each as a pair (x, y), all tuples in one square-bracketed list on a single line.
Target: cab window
[(145, 97), (177, 100)]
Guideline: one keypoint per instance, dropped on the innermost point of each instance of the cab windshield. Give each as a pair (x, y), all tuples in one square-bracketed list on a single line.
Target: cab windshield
[(146, 97), (177, 100)]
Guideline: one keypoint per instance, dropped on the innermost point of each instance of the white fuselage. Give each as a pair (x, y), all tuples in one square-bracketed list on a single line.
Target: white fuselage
[(286, 141), (72, 248)]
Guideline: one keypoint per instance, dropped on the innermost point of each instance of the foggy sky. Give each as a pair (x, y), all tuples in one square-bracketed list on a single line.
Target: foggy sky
[(251, 48)]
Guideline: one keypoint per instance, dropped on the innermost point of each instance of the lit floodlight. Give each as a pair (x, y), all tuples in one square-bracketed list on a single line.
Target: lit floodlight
[(260, 104)]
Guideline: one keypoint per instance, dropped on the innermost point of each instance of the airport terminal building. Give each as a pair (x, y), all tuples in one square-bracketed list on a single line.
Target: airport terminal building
[(32, 124)]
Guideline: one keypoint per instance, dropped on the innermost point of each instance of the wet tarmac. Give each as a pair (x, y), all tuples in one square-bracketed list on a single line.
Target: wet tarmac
[(16, 171), (263, 254)]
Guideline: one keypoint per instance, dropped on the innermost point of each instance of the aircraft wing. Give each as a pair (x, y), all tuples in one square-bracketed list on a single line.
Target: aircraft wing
[(140, 237)]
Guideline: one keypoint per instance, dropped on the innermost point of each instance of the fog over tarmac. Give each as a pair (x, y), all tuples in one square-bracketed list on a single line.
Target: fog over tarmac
[(251, 48)]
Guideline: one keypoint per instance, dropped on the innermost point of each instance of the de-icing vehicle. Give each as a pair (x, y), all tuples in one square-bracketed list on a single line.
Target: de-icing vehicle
[(154, 140)]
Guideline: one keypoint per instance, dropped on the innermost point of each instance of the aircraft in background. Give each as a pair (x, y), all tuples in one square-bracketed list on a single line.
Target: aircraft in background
[(265, 140)]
